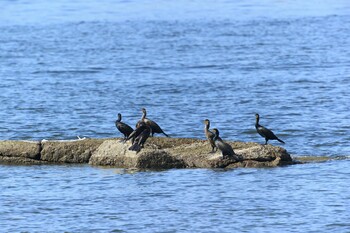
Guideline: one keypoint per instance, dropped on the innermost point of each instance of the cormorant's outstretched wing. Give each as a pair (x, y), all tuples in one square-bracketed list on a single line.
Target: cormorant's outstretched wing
[(140, 140)]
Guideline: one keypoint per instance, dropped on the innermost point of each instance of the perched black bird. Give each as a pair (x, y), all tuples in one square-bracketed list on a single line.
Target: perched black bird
[(155, 128), (122, 127), (265, 132), (209, 135), (139, 136), (226, 149)]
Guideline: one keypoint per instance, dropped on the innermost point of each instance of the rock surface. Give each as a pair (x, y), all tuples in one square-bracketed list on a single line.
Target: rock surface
[(75, 151), (20, 152), (115, 153), (159, 153)]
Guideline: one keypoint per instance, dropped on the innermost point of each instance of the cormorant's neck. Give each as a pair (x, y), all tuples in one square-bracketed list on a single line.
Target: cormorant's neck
[(207, 126), (216, 136), (143, 115), (257, 122), (119, 118)]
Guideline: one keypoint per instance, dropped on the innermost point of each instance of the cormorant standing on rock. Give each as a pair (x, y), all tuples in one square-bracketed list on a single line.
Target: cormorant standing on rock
[(210, 135), (139, 136), (265, 132), (225, 148), (155, 128), (122, 127)]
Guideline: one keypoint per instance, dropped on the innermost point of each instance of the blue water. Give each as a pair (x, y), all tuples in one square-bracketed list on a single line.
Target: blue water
[(87, 199), (67, 68)]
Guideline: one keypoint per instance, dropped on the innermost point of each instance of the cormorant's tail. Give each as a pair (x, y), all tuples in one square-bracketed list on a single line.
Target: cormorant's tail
[(280, 140), (233, 156)]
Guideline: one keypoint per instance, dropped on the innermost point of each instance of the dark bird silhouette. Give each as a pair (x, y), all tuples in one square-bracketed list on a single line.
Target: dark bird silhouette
[(225, 148), (155, 128), (139, 128), (139, 136), (209, 135), (125, 129), (265, 132)]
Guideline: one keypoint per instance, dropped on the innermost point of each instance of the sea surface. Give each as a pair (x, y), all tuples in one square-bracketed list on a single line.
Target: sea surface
[(68, 67)]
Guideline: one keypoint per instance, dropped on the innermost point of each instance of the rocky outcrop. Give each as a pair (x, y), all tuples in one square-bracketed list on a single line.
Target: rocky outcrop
[(75, 151), (187, 153), (159, 153), (115, 153), (20, 152)]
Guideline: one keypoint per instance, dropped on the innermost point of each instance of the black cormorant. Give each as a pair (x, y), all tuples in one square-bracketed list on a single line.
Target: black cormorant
[(265, 132), (225, 148), (122, 127), (209, 135), (155, 128), (139, 136)]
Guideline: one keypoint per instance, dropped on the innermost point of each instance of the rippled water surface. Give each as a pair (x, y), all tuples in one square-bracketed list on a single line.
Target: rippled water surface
[(67, 68), (86, 199)]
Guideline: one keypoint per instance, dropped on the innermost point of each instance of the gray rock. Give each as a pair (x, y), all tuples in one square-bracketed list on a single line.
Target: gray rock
[(115, 153), (75, 151), (191, 153), (20, 149), (159, 153), (20, 161)]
